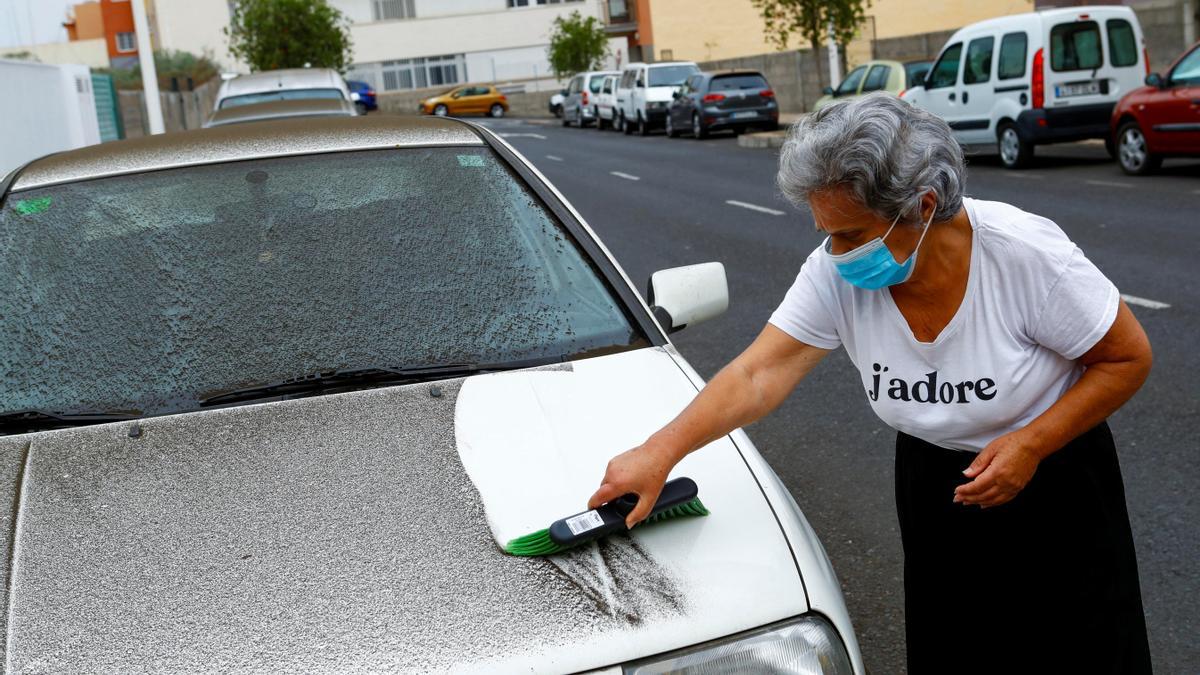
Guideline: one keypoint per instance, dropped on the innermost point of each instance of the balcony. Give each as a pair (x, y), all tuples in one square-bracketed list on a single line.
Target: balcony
[(621, 17)]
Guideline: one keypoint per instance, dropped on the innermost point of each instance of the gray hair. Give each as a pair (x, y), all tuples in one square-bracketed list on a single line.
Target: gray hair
[(888, 152)]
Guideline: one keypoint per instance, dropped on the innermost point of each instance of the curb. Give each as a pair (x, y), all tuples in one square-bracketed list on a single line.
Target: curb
[(765, 139)]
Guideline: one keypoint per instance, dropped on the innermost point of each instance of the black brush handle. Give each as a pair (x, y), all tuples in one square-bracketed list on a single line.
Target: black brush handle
[(610, 517)]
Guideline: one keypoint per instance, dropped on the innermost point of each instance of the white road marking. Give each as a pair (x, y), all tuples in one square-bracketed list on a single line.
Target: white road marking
[(1022, 174), (1196, 192), (755, 207), (1143, 302), (512, 135), (626, 176), (555, 158), (1108, 183)]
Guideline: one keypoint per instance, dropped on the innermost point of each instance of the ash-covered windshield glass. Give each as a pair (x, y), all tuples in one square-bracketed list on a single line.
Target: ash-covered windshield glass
[(150, 292)]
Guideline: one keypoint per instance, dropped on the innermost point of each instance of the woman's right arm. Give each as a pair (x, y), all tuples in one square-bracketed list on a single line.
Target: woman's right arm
[(752, 385)]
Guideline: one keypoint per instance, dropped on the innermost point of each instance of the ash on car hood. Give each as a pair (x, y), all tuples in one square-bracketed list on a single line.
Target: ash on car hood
[(342, 533)]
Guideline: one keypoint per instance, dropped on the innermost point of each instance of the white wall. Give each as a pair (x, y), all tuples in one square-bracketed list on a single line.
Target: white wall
[(92, 53), (359, 11), (49, 108), (195, 26)]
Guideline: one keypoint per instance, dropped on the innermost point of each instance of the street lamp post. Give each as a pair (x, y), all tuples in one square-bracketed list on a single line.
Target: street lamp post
[(141, 27)]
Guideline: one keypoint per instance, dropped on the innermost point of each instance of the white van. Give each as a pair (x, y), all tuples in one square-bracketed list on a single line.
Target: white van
[(1011, 83), (645, 91)]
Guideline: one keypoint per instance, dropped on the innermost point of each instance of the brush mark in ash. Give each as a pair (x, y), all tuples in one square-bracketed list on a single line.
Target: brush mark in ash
[(621, 580)]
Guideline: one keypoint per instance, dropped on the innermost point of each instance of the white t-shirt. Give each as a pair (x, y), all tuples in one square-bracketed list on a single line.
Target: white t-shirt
[(1034, 304)]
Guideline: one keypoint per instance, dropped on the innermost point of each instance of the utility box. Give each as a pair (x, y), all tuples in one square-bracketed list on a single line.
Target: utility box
[(44, 109)]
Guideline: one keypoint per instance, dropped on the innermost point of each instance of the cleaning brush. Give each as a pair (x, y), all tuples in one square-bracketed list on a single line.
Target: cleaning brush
[(678, 498)]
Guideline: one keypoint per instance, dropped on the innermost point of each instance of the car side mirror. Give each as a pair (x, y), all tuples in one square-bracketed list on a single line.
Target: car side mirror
[(1155, 80), (828, 91), (562, 92), (641, 84), (683, 296), (675, 95)]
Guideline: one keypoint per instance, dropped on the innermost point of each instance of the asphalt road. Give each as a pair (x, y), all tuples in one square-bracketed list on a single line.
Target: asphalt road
[(659, 202)]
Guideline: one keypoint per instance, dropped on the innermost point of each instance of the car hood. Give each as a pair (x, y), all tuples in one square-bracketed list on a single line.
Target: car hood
[(343, 532), (661, 93)]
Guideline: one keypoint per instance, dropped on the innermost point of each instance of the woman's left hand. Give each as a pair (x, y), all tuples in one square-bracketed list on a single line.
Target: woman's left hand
[(999, 472)]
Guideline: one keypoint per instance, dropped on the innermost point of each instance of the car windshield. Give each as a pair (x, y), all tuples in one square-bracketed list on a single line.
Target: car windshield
[(279, 95), (666, 76), (148, 293), (735, 82), (595, 83)]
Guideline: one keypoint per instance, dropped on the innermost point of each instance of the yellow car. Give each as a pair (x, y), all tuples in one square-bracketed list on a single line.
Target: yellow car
[(892, 76), (471, 99)]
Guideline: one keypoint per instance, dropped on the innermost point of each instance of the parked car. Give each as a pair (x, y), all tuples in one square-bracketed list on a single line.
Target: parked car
[(606, 102), (471, 99), (734, 100), (1161, 119), (579, 106), (363, 95), (892, 76), (1014, 82), (644, 92), (278, 110), (257, 380), (556, 101), (282, 85)]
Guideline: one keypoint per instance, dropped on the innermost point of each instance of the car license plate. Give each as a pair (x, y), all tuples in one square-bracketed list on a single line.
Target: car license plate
[(743, 115), (1077, 89)]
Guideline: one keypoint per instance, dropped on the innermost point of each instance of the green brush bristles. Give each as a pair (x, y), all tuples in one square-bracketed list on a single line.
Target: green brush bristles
[(540, 543)]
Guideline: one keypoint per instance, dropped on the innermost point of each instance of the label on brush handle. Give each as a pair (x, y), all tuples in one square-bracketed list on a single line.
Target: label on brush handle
[(588, 520)]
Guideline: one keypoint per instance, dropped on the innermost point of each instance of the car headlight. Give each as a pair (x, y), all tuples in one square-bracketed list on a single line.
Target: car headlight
[(807, 645)]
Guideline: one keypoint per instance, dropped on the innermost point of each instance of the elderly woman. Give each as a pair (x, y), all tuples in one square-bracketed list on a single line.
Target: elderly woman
[(996, 350)]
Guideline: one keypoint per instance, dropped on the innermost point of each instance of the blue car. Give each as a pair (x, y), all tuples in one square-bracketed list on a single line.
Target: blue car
[(363, 95)]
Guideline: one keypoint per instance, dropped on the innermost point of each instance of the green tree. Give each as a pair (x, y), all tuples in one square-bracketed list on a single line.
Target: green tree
[(811, 20), (576, 44), (272, 34)]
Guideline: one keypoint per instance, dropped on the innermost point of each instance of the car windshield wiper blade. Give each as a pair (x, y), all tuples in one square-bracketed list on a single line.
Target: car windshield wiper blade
[(25, 421), (318, 382)]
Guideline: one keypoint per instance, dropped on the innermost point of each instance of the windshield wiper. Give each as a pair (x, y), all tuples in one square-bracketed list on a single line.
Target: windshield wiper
[(25, 421), (365, 377)]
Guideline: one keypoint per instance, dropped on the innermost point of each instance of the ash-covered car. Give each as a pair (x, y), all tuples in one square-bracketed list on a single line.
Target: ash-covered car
[(272, 394)]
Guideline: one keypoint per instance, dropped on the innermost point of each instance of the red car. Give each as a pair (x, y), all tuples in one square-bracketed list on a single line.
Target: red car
[(1161, 119)]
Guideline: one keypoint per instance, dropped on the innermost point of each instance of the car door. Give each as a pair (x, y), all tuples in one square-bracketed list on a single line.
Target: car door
[(976, 93), (625, 93), (638, 94), (571, 104), (941, 87), (681, 105), (1173, 113), (852, 83), (1077, 75), (876, 78)]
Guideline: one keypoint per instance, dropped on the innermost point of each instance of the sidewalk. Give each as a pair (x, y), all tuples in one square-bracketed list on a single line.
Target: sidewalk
[(770, 139)]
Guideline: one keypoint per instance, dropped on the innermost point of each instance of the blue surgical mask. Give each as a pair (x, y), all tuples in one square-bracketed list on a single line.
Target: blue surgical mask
[(872, 266)]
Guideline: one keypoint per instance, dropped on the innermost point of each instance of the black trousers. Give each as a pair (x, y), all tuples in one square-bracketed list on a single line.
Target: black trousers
[(1046, 583)]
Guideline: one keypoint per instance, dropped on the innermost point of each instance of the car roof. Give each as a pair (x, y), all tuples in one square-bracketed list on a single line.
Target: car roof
[(287, 78), (236, 142), (1045, 16), (255, 112)]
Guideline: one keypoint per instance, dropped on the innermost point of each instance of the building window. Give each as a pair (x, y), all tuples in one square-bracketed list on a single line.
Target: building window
[(433, 71), (386, 10), (126, 42)]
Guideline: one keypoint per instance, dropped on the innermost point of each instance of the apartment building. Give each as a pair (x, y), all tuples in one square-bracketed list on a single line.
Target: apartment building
[(111, 20), (413, 44), (707, 30)]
